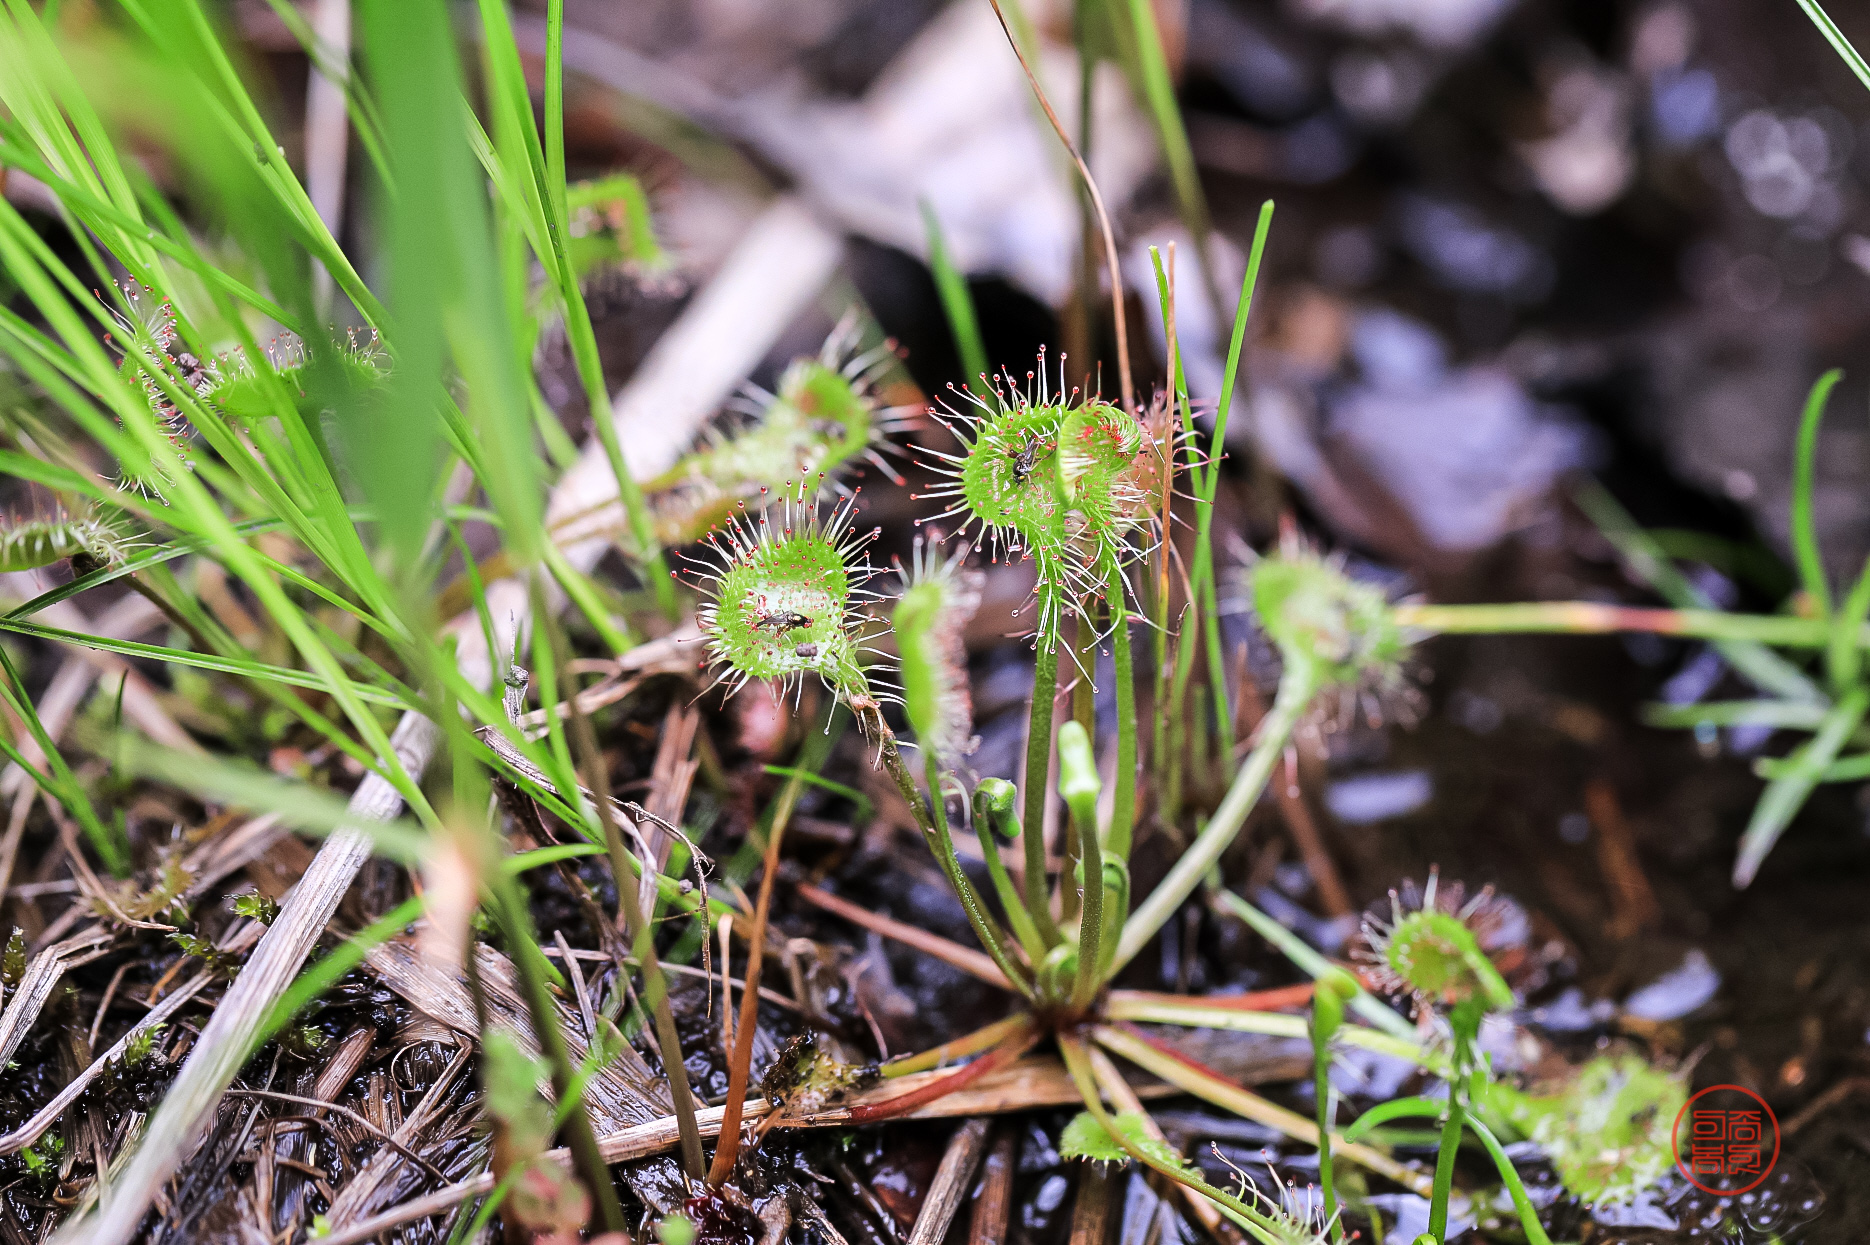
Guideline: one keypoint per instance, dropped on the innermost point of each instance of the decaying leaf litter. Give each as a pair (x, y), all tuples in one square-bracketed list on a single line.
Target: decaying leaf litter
[(479, 949)]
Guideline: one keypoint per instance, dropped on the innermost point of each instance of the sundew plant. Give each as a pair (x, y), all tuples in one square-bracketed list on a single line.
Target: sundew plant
[(203, 389)]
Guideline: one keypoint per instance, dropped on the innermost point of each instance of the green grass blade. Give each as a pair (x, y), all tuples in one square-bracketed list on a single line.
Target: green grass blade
[(1835, 37), (1777, 714), (256, 670), (1853, 768), (958, 305), (1786, 794), (1804, 530), (1152, 68), (59, 782), (1767, 669)]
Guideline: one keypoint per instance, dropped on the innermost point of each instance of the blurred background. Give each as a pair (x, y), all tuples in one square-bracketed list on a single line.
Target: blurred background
[(1512, 239)]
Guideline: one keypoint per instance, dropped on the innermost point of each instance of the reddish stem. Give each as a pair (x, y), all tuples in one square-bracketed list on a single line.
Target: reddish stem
[(1015, 1045), (1258, 1001)]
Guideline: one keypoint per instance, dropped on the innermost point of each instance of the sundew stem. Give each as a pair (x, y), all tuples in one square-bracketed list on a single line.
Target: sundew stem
[(1321, 1093), (1595, 618), (1079, 786), (934, 829), (986, 814), (1464, 1022), (1296, 688), (1123, 811), (1039, 771)]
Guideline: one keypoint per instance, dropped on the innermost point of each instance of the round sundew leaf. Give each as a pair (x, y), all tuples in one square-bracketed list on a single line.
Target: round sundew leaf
[(780, 613), (1009, 478), (1437, 954)]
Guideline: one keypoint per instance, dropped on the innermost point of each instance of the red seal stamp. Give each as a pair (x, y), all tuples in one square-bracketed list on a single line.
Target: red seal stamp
[(1726, 1140)]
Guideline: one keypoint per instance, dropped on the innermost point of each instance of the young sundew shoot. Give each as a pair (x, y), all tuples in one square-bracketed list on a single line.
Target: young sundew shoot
[(826, 421), (939, 595), (1338, 631), (1433, 948), (786, 595)]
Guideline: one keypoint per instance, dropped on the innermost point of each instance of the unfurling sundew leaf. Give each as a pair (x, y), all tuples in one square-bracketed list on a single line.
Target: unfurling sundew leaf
[(939, 596), (826, 420), (29, 543)]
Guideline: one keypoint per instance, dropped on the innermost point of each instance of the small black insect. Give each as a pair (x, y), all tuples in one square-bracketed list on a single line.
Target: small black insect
[(1027, 458), (781, 622)]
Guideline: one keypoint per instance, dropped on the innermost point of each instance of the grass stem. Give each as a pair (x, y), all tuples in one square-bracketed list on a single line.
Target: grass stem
[(1597, 618), (636, 925), (1296, 688)]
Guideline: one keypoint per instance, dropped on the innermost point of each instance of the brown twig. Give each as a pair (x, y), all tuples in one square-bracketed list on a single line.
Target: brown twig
[(739, 1070), (1090, 1214), (1311, 844), (1103, 217), (950, 1184), (1635, 903), (1850, 1087), (110, 992), (993, 1208), (348, 1114)]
